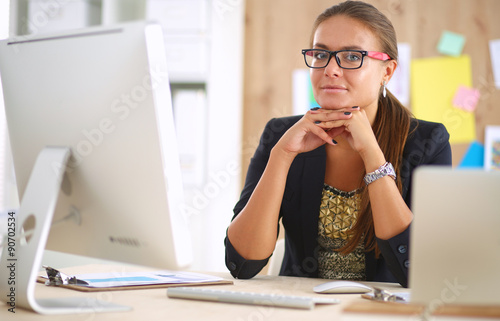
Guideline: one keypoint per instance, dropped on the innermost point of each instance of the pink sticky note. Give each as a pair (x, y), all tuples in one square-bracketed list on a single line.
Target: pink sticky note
[(466, 98)]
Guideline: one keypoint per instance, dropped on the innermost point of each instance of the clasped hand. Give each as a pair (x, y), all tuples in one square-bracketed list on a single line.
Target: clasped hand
[(326, 126)]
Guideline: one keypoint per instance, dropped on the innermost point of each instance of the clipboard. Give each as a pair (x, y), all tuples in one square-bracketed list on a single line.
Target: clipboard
[(81, 288), (99, 282)]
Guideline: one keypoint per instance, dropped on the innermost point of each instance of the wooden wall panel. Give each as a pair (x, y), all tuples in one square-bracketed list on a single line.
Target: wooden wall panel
[(277, 30)]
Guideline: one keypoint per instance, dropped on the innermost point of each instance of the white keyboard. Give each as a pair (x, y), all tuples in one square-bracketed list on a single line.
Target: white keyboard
[(277, 300)]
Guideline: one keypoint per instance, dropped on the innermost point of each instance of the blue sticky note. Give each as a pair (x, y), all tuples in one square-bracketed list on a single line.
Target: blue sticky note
[(474, 157), (451, 44)]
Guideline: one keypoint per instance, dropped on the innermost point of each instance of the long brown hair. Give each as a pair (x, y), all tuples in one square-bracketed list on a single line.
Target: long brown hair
[(392, 121)]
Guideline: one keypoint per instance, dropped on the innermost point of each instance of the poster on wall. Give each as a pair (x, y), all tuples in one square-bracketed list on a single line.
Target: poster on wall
[(492, 148)]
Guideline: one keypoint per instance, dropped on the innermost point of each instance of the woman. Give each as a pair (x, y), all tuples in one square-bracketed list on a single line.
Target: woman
[(339, 177)]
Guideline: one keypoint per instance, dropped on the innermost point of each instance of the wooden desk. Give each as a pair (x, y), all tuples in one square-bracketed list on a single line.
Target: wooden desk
[(153, 304)]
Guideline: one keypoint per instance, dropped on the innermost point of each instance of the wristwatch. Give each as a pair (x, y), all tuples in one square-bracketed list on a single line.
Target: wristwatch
[(385, 170)]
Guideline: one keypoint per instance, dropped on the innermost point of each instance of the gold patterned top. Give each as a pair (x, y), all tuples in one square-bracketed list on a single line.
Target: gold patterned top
[(338, 214)]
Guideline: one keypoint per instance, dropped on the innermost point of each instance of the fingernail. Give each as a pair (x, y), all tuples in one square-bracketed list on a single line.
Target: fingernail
[(347, 113), (315, 108), (317, 122), (355, 106), (334, 141)]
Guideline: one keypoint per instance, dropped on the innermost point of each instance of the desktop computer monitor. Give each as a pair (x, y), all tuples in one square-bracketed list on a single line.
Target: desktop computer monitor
[(91, 127)]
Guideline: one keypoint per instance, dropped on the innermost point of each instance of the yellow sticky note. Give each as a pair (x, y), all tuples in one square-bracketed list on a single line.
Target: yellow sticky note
[(434, 82)]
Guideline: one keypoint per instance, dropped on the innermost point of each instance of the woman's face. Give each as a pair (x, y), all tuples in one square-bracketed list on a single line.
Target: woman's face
[(336, 88)]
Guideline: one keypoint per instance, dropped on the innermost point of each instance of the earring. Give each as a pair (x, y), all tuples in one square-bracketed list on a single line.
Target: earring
[(384, 91)]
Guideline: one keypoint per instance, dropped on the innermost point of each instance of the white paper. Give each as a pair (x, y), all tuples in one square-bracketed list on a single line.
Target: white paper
[(399, 85), (300, 91), (491, 144), (106, 280), (495, 60)]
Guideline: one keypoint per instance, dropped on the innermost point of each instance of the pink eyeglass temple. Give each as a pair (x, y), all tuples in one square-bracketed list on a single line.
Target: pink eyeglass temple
[(378, 55)]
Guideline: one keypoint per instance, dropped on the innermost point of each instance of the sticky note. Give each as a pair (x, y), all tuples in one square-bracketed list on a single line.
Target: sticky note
[(474, 156), (466, 98), (451, 43), (434, 82)]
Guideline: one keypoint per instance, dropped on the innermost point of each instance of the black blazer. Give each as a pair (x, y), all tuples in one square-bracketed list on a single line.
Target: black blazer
[(428, 143)]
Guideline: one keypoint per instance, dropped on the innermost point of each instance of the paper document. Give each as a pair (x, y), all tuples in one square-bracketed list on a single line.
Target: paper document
[(495, 60), (106, 280), (399, 85)]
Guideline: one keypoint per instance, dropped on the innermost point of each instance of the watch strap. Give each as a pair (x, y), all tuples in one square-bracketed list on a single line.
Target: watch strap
[(385, 170)]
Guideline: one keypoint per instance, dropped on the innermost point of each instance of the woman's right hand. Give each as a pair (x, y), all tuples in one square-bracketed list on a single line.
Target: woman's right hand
[(306, 135)]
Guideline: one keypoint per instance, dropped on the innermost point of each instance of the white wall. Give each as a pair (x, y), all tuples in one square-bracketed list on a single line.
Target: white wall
[(4, 19), (225, 99)]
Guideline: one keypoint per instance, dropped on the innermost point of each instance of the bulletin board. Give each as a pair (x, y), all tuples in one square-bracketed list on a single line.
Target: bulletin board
[(277, 30)]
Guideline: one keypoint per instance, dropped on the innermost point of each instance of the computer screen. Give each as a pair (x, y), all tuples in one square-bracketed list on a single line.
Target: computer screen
[(102, 94)]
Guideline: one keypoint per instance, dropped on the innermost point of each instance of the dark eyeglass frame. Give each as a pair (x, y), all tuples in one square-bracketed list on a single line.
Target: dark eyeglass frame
[(372, 54)]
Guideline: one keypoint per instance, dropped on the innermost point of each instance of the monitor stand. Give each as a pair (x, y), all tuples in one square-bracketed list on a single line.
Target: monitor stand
[(21, 262)]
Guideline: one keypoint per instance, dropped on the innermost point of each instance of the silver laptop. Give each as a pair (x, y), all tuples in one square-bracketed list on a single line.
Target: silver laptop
[(455, 237)]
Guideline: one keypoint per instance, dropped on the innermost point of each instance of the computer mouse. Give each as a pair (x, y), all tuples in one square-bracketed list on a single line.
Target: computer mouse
[(340, 286)]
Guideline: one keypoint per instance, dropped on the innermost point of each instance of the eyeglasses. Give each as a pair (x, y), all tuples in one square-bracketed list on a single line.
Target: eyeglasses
[(346, 59)]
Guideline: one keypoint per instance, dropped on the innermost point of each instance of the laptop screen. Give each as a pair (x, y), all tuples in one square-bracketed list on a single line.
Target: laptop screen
[(455, 237)]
